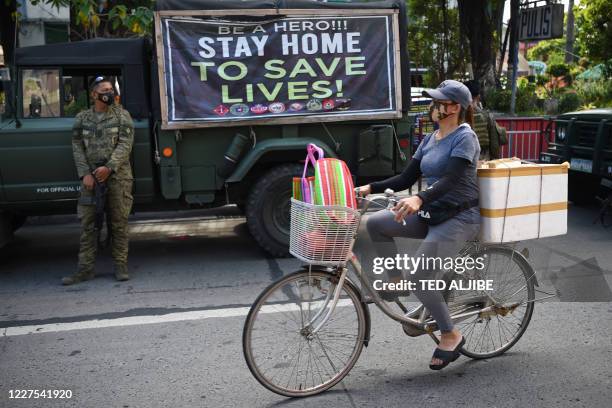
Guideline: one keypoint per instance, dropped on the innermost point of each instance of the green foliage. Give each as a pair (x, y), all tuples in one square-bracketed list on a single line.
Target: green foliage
[(77, 105), (576, 69), (131, 18), (498, 100), (558, 70), (608, 69), (595, 34), (593, 31), (597, 93), (527, 101), (526, 98), (541, 80), (587, 106), (569, 102), (431, 41), (549, 51)]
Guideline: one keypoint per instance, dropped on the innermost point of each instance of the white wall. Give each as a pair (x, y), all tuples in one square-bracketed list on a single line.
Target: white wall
[(45, 12), (31, 28), (31, 33)]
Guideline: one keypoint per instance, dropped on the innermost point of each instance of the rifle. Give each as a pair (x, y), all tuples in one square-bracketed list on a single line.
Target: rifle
[(100, 196)]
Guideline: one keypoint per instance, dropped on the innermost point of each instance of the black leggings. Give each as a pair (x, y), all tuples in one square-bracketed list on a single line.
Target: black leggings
[(440, 241)]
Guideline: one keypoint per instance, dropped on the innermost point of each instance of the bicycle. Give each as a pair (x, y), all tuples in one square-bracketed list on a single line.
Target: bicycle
[(605, 211), (305, 332)]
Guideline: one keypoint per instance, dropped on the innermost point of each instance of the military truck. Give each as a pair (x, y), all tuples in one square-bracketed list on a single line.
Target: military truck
[(201, 140), (584, 139)]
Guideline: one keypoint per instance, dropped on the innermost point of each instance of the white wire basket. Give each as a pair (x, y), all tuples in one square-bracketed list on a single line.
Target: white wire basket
[(320, 234)]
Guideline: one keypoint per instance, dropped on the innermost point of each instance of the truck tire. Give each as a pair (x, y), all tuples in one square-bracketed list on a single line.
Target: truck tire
[(268, 206)]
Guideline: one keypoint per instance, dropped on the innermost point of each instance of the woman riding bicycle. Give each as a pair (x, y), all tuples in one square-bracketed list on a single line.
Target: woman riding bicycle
[(447, 158)]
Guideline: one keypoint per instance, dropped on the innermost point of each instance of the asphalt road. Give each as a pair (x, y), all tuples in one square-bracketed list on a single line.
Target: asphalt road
[(174, 337)]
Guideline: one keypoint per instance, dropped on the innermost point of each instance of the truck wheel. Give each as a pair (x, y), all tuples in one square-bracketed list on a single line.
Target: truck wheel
[(268, 206)]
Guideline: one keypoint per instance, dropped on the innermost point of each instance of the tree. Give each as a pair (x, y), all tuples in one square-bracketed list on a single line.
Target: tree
[(434, 39), (107, 18), (447, 39), (555, 51), (549, 51), (595, 33), (88, 19), (479, 19), (513, 26)]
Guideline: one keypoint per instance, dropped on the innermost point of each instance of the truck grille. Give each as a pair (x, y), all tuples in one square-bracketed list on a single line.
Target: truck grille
[(587, 134)]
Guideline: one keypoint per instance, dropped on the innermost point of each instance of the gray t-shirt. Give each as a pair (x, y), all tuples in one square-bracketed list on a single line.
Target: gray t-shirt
[(434, 155)]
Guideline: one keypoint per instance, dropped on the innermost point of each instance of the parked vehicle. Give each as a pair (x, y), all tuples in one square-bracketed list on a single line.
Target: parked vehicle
[(584, 139), (248, 164)]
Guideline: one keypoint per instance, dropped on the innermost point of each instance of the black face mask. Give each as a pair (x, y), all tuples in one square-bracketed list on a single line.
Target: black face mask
[(107, 97)]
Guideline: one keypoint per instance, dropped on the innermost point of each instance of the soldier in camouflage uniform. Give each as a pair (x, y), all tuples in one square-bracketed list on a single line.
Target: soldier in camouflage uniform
[(102, 140), (490, 135)]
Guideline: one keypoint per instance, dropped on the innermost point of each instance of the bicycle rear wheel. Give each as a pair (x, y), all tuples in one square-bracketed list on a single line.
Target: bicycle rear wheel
[(279, 347), (490, 334)]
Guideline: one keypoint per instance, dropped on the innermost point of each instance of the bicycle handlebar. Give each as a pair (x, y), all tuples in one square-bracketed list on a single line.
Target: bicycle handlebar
[(390, 197)]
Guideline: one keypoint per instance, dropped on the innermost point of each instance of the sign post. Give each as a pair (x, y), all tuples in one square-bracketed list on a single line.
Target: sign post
[(541, 23), (535, 24)]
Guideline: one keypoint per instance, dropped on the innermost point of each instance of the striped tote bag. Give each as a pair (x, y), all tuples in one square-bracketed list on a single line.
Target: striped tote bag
[(333, 184)]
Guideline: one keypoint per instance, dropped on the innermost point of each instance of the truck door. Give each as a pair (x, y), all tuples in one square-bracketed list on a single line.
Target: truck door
[(36, 158), (36, 162)]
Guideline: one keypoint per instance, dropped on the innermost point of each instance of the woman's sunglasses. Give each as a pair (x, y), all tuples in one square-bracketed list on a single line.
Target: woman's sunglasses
[(439, 102)]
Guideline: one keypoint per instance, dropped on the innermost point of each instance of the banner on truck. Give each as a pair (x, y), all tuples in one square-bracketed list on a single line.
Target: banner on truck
[(277, 67)]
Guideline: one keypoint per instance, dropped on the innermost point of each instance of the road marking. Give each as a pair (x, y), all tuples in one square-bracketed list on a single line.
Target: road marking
[(153, 319)]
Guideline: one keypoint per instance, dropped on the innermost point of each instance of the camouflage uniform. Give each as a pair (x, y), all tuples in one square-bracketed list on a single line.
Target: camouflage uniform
[(107, 140), (489, 134)]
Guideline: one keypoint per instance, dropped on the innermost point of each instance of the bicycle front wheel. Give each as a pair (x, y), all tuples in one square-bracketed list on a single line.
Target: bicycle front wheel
[(279, 345)]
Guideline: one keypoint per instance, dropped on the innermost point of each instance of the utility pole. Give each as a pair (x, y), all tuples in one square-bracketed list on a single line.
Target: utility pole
[(569, 44), (514, 49)]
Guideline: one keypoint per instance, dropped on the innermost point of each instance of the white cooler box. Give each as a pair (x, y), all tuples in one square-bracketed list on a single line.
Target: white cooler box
[(520, 201)]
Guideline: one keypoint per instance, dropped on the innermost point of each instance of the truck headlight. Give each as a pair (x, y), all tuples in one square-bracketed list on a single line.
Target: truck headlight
[(561, 133)]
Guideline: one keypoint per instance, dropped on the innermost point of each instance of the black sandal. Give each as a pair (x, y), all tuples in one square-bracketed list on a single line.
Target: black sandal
[(447, 356)]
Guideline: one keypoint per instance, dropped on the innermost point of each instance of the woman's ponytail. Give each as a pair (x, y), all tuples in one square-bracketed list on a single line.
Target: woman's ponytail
[(467, 115)]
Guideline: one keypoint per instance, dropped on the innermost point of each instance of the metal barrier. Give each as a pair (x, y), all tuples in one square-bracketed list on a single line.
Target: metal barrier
[(527, 136)]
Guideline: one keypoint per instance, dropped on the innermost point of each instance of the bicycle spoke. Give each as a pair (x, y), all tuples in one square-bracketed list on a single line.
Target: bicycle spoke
[(325, 352), (496, 329), (295, 369), (293, 359)]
